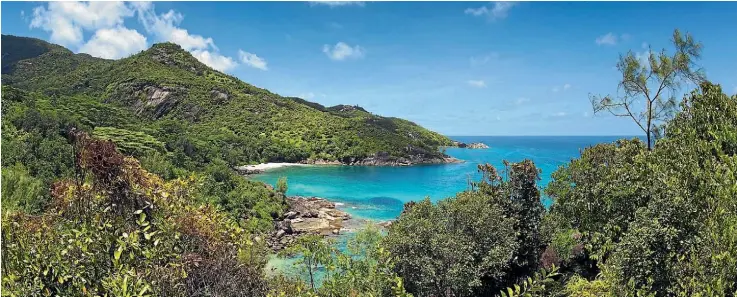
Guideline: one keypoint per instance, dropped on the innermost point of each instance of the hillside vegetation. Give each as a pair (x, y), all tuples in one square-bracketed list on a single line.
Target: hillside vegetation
[(165, 95), (128, 190)]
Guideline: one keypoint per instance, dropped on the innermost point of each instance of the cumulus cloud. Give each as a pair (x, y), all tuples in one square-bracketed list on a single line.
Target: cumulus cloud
[(67, 20), (67, 23), (498, 10), (252, 60), (342, 51), (477, 83), (337, 3), (114, 43), (214, 60), (607, 39), (165, 27)]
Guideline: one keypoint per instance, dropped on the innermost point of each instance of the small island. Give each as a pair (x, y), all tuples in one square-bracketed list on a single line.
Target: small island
[(473, 145)]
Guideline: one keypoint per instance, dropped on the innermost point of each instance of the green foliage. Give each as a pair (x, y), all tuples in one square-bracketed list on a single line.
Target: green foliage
[(216, 116), (312, 252), (281, 185), (659, 223), (365, 269), (533, 286), (129, 142), (125, 232), (20, 191), (471, 243), (655, 82)]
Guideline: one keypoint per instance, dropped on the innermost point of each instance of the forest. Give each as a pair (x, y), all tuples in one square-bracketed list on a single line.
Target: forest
[(106, 194)]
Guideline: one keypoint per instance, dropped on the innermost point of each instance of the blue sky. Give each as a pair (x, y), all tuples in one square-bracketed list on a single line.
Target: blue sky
[(459, 68)]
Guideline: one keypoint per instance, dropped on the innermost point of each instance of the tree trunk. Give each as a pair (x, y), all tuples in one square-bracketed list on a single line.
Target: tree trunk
[(312, 280)]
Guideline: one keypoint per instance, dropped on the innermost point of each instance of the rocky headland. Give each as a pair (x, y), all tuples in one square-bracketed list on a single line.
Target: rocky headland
[(306, 215), (474, 145)]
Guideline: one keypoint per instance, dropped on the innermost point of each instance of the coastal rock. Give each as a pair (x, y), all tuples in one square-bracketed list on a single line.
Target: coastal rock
[(247, 170), (306, 215), (385, 224), (458, 144), (478, 145), (290, 215)]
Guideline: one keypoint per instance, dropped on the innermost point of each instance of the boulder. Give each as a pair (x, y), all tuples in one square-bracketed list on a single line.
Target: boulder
[(291, 215)]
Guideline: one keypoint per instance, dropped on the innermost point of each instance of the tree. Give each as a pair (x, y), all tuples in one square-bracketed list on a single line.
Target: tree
[(281, 187), (644, 84), (313, 251), (476, 243)]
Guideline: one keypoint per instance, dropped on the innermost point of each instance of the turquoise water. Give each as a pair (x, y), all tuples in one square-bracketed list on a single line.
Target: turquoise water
[(378, 193)]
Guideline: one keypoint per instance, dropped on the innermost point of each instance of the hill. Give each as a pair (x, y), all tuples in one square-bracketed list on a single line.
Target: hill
[(194, 114)]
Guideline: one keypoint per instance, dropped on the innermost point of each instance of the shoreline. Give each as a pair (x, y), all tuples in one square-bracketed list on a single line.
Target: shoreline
[(371, 161), (263, 167)]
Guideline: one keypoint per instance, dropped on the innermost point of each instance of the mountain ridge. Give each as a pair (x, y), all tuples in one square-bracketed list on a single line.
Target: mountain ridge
[(190, 107)]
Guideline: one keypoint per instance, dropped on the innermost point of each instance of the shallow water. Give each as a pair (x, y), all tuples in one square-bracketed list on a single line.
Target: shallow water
[(378, 193)]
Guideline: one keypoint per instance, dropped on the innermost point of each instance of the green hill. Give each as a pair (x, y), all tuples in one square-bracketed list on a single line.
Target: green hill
[(175, 105)]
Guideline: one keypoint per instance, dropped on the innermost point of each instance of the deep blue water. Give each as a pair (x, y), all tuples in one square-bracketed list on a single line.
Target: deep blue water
[(378, 193)]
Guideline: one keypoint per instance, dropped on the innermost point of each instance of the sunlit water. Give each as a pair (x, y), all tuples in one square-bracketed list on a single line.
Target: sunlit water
[(379, 193)]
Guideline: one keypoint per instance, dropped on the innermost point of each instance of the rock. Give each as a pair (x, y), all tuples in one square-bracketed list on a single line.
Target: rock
[(247, 170), (280, 233), (290, 215), (385, 224), (458, 144), (478, 145), (336, 231), (311, 225)]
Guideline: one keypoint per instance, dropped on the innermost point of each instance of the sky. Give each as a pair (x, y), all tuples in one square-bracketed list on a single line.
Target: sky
[(458, 68)]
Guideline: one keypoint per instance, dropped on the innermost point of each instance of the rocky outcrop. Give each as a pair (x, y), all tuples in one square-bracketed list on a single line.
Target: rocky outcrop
[(306, 216), (384, 159), (474, 145), (458, 144), (478, 145), (247, 170)]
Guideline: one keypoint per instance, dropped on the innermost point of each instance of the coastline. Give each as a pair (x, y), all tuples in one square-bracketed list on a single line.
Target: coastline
[(370, 161)]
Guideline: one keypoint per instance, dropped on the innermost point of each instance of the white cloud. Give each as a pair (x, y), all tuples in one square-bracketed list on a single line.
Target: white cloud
[(521, 100), (342, 51), (67, 20), (476, 61), (477, 83), (215, 60), (564, 87), (498, 10), (114, 43), (307, 96), (607, 39), (337, 3), (165, 27), (559, 114), (252, 60)]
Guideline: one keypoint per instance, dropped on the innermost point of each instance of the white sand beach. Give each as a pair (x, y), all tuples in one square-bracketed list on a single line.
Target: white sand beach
[(258, 168)]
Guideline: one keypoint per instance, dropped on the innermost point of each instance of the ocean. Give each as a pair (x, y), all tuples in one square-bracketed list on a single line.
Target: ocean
[(379, 193)]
